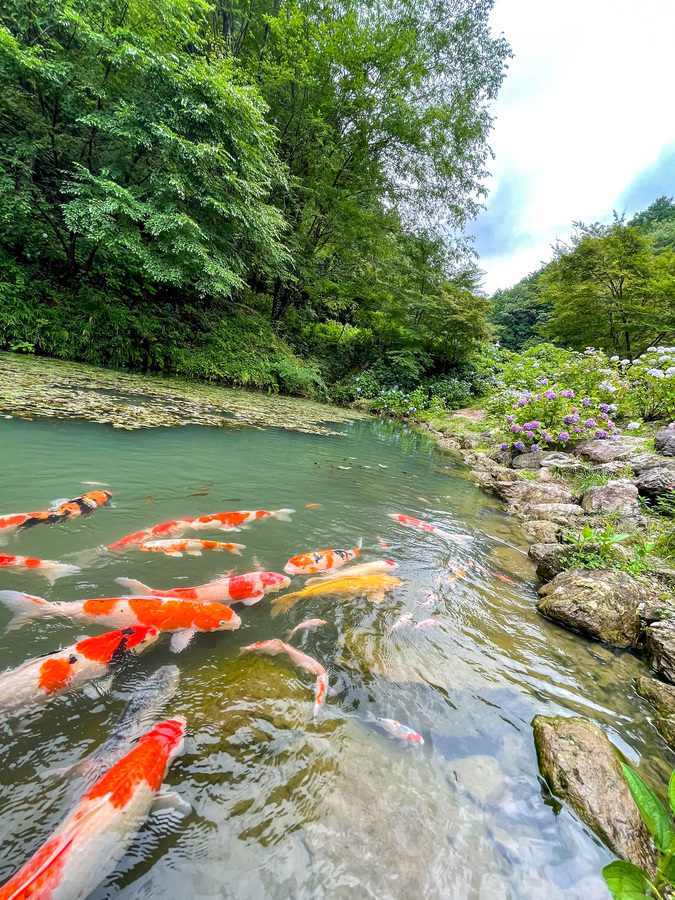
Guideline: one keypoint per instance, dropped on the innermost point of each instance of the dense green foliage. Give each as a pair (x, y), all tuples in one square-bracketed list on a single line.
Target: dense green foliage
[(176, 176)]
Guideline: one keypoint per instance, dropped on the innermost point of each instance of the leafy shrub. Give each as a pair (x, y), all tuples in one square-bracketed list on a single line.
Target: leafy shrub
[(454, 392), (418, 403), (652, 383)]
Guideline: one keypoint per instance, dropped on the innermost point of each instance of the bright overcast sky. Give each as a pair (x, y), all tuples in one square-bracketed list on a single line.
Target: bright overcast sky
[(585, 123)]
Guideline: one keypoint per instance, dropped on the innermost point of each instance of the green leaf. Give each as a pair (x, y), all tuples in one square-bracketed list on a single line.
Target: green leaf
[(651, 809), (671, 792), (626, 881)]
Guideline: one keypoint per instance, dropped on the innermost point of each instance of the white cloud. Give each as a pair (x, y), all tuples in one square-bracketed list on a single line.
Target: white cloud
[(585, 106)]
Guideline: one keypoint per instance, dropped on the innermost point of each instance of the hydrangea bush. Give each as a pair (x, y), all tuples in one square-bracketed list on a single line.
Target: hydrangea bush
[(552, 418), (652, 383), (420, 403)]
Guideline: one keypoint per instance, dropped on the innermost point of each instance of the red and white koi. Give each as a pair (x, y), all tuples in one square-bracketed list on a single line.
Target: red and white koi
[(163, 530), (395, 729), (186, 617), (94, 837), (370, 568), (276, 646), (320, 561), (307, 625), (404, 619), (409, 522), (188, 546), (427, 623), (432, 600), (235, 521), (47, 567), (38, 680), (247, 589)]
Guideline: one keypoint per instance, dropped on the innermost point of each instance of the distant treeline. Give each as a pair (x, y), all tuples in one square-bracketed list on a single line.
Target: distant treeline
[(612, 287)]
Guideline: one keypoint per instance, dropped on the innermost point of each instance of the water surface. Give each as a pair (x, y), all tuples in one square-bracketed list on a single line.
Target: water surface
[(285, 806)]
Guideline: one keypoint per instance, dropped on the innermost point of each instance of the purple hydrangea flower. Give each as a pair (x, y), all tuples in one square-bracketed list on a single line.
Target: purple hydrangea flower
[(504, 447), (601, 434), (586, 401), (604, 416), (563, 436), (589, 423), (550, 394), (534, 448), (617, 431), (567, 394), (604, 407), (529, 434), (575, 409), (535, 425), (543, 382), (510, 419), (520, 446), (577, 429), (571, 419), (516, 428)]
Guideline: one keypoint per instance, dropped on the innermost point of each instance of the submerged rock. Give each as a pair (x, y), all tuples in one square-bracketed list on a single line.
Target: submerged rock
[(543, 532), (615, 497), (604, 451), (583, 769), (480, 776), (601, 604), (662, 697), (550, 559), (661, 648)]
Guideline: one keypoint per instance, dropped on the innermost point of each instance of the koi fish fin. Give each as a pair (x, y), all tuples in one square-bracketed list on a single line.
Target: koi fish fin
[(178, 553), (170, 802), (359, 544), (25, 607), (136, 587), (376, 597), (284, 515), (180, 639), (189, 553), (457, 538), (283, 604), (256, 598), (236, 548), (98, 688), (228, 528), (59, 571)]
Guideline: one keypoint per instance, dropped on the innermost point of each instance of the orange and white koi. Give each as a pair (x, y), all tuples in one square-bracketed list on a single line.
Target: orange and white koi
[(94, 837), (186, 617), (276, 646), (38, 680), (395, 729), (307, 625), (369, 568), (47, 567), (427, 623), (83, 505), (320, 561), (374, 587), (163, 530), (404, 619), (235, 521), (191, 547), (409, 522), (247, 589)]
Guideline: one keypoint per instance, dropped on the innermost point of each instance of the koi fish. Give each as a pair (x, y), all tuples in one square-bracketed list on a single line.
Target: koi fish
[(409, 522), (163, 530), (320, 561), (186, 617), (308, 624), (428, 603), (383, 544), (191, 547), (504, 578), (148, 701), (247, 589), (372, 586), (312, 505), (395, 729), (235, 521), (427, 623), (37, 681), (369, 568), (402, 620), (94, 837), (276, 646), (69, 509), (47, 567)]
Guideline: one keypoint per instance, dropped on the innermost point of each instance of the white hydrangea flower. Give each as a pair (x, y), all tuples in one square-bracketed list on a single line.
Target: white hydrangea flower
[(625, 362), (614, 359), (633, 426), (656, 373)]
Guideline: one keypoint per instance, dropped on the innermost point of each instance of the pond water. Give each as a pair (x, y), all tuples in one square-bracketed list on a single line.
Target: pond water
[(284, 805)]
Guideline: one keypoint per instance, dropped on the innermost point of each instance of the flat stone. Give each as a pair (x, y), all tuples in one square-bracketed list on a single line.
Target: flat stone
[(561, 461), (550, 559), (529, 492), (661, 648), (528, 460), (655, 483), (448, 443), (664, 441), (543, 532), (645, 461), (479, 776), (604, 451), (615, 497), (601, 604), (583, 769), (561, 513), (654, 610)]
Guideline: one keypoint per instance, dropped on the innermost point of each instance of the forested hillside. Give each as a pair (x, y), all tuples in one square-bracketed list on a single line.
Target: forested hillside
[(268, 193)]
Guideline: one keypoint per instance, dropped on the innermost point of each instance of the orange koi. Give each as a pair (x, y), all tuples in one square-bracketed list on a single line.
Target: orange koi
[(276, 646), (320, 561), (312, 505), (38, 680), (409, 522), (94, 837), (47, 567), (235, 521), (247, 589), (191, 547), (163, 530), (184, 616)]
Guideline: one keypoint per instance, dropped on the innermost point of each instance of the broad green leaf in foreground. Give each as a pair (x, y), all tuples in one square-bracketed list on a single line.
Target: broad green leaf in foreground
[(626, 881), (651, 809)]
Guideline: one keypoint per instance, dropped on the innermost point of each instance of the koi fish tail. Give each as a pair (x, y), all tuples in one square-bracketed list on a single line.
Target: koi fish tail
[(25, 607), (281, 605), (457, 538), (236, 548), (359, 544), (284, 515), (59, 571), (136, 587)]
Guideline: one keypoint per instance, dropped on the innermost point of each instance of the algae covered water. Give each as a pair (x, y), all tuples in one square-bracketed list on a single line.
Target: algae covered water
[(284, 805)]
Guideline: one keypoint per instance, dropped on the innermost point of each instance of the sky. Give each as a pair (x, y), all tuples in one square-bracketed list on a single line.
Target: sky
[(584, 124)]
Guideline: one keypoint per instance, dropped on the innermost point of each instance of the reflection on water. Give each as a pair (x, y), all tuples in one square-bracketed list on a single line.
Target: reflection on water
[(283, 805)]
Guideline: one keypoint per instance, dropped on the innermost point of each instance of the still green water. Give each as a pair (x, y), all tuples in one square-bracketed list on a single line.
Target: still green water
[(285, 806)]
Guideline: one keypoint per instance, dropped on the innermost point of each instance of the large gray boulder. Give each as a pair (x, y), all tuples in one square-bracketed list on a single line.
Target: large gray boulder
[(604, 451), (662, 698), (529, 492), (645, 461), (561, 461), (543, 532), (560, 513), (530, 460), (550, 559), (601, 604), (655, 483), (619, 496), (664, 441), (661, 648), (583, 769)]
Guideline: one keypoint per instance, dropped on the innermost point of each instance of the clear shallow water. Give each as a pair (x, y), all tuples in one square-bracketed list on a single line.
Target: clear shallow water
[(284, 806)]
